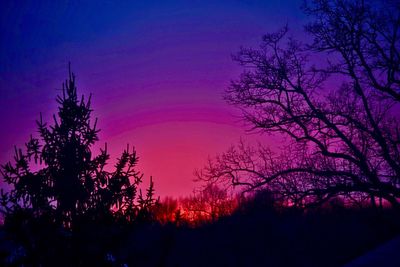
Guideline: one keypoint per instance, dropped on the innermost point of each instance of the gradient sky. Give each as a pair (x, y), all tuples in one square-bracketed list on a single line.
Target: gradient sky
[(156, 69)]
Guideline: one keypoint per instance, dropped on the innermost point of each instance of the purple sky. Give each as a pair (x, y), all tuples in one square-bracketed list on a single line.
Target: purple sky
[(157, 71)]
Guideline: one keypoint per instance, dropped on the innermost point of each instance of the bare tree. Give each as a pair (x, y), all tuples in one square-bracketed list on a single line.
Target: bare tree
[(336, 100), (166, 210), (208, 204)]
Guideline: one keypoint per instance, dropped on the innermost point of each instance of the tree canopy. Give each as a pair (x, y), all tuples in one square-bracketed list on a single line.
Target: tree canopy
[(336, 99)]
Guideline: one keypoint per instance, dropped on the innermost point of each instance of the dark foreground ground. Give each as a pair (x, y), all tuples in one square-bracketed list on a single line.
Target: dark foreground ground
[(264, 240), (255, 236), (385, 255)]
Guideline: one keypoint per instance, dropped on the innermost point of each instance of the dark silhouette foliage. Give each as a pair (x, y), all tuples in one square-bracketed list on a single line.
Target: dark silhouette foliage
[(66, 208), (335, 100), (61, 193), (260, 234)]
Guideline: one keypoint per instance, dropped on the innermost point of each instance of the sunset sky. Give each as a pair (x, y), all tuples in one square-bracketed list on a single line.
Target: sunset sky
[(157, 71)]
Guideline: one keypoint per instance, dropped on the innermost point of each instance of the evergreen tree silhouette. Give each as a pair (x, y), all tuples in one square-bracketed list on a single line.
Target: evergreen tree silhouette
[(71, 184)]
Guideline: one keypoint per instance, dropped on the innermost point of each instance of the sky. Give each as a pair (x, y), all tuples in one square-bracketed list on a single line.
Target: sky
[(157, 71)]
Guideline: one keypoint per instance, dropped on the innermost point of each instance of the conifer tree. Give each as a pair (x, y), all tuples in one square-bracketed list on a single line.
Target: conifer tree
[(57, 174)]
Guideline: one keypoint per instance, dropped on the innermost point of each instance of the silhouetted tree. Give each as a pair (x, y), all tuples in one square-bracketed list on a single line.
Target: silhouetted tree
[(58, 176), (208, 204), (336, 100), (166, 210)]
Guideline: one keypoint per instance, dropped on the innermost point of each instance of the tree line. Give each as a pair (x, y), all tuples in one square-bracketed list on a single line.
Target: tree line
[(335, 99)]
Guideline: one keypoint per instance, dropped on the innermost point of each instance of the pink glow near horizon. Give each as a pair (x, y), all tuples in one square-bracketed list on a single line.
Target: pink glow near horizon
[(157, 75)]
